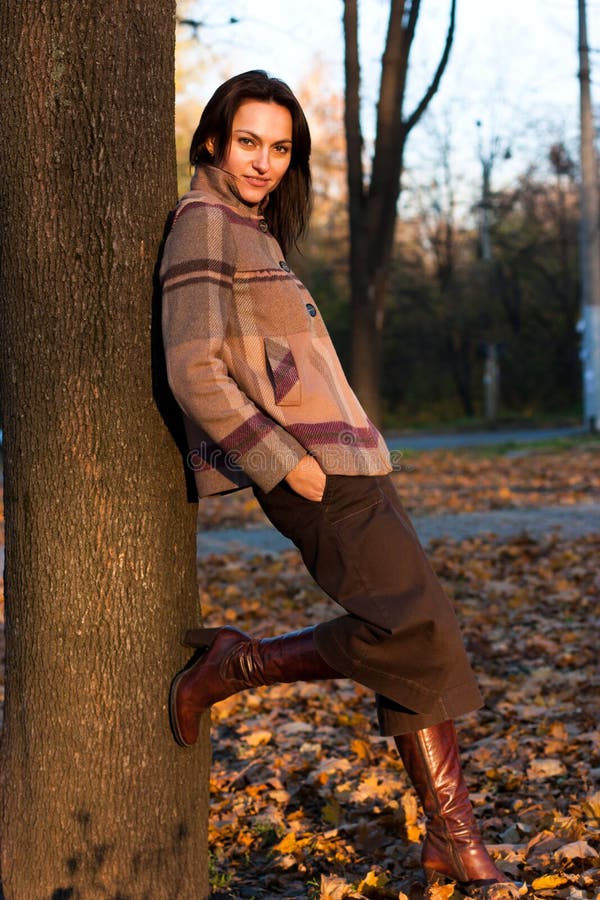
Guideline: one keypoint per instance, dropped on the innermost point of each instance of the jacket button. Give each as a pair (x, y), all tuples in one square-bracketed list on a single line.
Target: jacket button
[(263, 225), (311, 310), (283, 265)]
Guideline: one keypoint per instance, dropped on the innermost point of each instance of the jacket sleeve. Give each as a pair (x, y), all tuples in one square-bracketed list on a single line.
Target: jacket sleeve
[(197, 281)]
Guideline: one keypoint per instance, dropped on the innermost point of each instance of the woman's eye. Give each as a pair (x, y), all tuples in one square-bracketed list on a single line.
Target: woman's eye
[(246, 142), (282, 148)]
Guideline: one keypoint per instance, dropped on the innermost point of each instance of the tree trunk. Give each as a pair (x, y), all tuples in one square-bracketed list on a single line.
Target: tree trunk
[(373, 212), (97, 799), (367, 344)]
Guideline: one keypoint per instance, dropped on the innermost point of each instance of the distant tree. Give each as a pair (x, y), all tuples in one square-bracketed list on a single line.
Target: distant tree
[(373, 204), (442, 306), (536, 270), (323, 261), (450, 244), (97, 800)]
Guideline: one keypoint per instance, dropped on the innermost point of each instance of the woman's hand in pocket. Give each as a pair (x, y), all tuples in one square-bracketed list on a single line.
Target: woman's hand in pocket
[(307, 478)]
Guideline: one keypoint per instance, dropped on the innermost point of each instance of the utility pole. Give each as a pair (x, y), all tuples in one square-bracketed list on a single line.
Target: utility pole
[(491, 370), (589, 240)]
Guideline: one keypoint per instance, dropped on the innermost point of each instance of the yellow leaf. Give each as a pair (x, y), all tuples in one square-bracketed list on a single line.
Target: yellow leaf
[(413, 834), (591, 806), (361, 748), (548, 881), (440, 891), (409, 806), (258, 737), (372, 879), (287, 844)]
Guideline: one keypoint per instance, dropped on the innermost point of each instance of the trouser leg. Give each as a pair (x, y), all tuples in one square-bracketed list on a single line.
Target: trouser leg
[(399, 635)]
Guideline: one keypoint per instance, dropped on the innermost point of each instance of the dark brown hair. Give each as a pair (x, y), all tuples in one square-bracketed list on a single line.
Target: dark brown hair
[(289, 206)]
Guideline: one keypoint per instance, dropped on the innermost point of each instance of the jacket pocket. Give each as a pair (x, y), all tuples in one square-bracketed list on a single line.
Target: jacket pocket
[(283, 372)]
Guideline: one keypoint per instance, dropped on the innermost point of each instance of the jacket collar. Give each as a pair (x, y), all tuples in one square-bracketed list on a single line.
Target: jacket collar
[(211, 180)]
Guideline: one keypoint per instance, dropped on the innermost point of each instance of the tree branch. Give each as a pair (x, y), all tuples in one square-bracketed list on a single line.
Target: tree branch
[(394, 64), (413, 15), (196, 24), (412, 120)]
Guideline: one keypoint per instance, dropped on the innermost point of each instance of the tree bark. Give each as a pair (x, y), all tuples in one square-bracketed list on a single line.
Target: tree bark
[(97, 799)]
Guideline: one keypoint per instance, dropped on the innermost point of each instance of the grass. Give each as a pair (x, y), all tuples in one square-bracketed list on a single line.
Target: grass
[(543, 445), (401, 421)]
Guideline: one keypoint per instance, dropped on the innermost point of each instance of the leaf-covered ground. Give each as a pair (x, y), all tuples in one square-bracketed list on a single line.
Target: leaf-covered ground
[(307, 800)]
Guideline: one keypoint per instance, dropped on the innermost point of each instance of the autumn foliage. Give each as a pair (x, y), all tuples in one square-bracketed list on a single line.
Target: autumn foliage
[(307, 801), (305, 794)]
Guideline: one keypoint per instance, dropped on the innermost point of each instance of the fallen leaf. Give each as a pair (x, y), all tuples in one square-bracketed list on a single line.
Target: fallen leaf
[(361, 748), (546, 882), (258, 737), (439, 891), (334, 888), (576, 850), (373, 879), (287, 844), (545, 768), (332, 812), (591, 806)]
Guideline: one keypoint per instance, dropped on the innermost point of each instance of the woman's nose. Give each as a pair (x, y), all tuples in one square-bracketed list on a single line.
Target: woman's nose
[(261, 159)]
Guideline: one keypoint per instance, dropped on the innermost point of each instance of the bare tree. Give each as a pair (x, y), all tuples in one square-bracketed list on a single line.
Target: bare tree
[(97, 799), (447, 239), (373, 206)]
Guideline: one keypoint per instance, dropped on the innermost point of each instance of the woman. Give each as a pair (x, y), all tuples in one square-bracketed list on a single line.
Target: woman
[(266, 404)]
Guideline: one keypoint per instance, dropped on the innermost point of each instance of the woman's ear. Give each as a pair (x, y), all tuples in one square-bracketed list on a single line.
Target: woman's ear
[(210, 146)]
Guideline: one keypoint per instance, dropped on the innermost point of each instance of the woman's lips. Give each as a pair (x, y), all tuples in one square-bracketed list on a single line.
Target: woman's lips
[(257, 182)]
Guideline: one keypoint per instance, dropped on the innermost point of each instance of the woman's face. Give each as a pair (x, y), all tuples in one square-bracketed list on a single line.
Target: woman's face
[(260, 150)]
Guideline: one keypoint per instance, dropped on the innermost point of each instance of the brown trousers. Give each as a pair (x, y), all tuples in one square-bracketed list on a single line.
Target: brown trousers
[(399, 636)]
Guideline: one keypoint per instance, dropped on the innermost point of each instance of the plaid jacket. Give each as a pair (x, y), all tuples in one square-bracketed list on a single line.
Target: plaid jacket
[(249, 359)]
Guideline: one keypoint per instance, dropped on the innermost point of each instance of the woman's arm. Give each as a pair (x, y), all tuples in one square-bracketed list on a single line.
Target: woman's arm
[(197, 276)]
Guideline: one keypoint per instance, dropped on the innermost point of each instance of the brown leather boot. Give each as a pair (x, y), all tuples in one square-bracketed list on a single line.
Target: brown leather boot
[(229, 661), (453, 847)]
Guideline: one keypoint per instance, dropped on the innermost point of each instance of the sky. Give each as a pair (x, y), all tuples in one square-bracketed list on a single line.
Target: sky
[(513, 67)]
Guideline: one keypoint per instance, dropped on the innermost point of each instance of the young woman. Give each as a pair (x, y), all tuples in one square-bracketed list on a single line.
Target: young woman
[(266, 404)]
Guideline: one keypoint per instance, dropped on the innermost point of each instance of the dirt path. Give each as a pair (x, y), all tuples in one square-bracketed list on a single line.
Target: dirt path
[(568, 521)]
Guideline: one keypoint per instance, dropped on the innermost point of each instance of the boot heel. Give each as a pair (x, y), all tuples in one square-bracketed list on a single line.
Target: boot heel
[(436, 879), (199, 637)]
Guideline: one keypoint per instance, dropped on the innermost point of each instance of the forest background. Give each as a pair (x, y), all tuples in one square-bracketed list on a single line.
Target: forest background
[(508, 103)]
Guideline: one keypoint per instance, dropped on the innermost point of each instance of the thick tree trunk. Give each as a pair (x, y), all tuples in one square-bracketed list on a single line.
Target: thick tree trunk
[(97, 799)]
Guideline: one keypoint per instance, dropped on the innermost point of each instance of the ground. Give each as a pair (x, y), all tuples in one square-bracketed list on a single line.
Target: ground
[(307, 801)]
